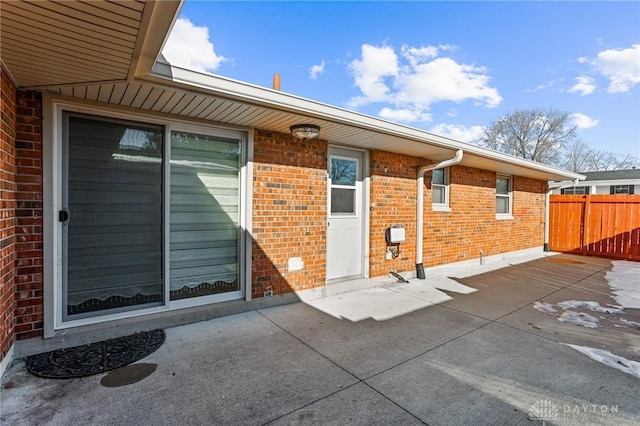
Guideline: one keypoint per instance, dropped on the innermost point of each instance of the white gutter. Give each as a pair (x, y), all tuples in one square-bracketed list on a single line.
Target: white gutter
[(546, 208), (420, 206), (182, 79)]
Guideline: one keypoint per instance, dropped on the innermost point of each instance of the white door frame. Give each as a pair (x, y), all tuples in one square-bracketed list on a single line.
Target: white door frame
[(53, 107), (363, 207)]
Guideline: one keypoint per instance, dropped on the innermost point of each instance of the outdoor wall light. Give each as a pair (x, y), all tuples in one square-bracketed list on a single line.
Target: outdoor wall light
[(305, 131)]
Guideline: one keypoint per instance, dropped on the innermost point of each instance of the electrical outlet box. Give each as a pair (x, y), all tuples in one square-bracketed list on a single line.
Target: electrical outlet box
[(268, 293), (396, 234)]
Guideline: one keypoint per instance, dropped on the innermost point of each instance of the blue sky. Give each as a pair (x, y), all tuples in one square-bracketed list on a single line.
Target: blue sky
[(447, 67)]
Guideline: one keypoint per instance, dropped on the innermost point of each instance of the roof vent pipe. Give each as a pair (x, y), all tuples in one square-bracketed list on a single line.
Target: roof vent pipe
[(420, 206), (276, 82)]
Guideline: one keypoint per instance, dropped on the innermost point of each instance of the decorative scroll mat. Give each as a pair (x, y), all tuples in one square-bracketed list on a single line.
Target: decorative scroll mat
[(95, 358)]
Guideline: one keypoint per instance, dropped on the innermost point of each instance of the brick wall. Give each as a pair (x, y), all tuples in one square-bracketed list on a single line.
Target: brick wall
[(471, 225), (289, 212), (452, 236), (29, 300), (392, 200), (7, 212)]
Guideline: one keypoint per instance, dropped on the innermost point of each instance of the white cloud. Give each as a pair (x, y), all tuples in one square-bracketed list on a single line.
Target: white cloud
[(620, 66), (370, 72), (417, 78), (188, 46), (405, 115), (315, 70), (584, 85), (458, 132), (583, 121)]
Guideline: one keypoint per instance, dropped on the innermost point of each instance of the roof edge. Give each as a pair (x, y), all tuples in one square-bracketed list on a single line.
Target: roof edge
[(158, 19), (206, 83)]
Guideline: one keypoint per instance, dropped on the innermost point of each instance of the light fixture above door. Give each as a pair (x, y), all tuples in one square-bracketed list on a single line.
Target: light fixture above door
[(305, 131)]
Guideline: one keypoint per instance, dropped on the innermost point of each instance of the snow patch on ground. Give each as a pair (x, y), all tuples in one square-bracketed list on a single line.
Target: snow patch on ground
[(579, 318), (624, 280), (629, 324), (569, 316), (609, 359), (592, 306), (545, 308)]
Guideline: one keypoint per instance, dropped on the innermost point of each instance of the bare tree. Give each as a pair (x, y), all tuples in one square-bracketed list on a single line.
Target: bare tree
[(603, 160), (576, 156), (535, 134), (549, 136)]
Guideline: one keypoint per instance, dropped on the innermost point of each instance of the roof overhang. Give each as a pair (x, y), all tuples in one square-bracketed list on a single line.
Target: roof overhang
[(342, 126), (46, 44), (89, 51)]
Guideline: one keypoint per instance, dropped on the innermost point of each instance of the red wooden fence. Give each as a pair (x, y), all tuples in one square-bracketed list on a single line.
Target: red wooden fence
[(595, 225)]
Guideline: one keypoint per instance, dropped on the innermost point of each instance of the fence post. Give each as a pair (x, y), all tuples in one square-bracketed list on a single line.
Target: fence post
[(586, 224)]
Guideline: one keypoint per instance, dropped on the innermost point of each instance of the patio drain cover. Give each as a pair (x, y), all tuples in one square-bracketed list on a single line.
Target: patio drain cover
[(95, 358)]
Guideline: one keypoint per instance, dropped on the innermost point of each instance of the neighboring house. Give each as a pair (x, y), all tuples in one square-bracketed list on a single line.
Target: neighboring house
[(606, 182), (132, 189)]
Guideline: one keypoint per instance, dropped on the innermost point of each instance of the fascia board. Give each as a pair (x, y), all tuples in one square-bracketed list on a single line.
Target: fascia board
[(189, 80)]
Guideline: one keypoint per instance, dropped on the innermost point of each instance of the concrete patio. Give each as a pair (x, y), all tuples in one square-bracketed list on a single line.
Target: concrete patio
[(440, 354)]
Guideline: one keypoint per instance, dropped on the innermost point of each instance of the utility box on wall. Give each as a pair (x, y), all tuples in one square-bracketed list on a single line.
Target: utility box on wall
[(395, 234)]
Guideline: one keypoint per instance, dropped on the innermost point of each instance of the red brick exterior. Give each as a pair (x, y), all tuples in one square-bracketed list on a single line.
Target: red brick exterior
[(393, 200), (7, 212), (472, 226), (29, 280), (453, 236), (289, 212)]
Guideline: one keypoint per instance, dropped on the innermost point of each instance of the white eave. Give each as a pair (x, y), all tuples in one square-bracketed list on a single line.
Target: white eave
[(342, 126), (47, 44), (75, 51)]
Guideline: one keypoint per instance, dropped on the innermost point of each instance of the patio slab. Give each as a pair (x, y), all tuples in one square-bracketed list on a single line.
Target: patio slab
[(443, 364), (496, 374), (368, 347), (240, 369)]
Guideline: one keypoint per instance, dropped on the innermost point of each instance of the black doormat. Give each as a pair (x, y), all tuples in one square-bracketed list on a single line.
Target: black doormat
[(95, 358)]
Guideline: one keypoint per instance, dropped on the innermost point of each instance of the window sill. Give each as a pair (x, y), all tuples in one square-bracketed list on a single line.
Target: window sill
[(440, 208), (504, 216)]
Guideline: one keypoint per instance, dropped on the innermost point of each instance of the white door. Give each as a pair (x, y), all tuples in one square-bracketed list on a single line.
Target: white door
[(345, 214)]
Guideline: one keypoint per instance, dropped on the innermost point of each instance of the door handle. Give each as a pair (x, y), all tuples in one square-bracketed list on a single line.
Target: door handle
[(63, 216)]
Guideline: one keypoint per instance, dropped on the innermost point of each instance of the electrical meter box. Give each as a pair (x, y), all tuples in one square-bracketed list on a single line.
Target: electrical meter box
[(395, 234)]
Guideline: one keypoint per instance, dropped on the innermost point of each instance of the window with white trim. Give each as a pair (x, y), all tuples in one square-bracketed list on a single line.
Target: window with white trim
[(504, 199), (621, 189), (440, 189), (575, 190)]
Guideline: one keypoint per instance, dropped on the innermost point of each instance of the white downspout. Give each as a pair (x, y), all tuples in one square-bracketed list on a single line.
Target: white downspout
[(420, 206), (546, 209)]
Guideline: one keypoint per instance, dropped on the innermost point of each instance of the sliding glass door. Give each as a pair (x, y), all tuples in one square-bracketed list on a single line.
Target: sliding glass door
[(138, 232), (205, 214), (112, 216)]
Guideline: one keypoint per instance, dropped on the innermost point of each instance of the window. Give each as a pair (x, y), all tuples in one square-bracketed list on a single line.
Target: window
[(343, 186), (575, 190), (440, 189), (503, 197), (621, 189)]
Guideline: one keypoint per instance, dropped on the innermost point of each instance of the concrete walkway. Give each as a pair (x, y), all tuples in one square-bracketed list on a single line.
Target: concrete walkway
[(370, 357)]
